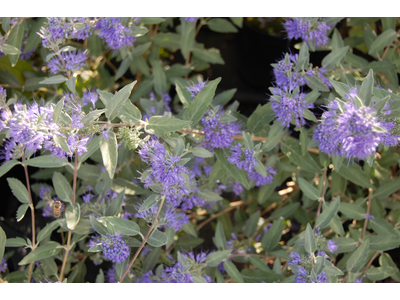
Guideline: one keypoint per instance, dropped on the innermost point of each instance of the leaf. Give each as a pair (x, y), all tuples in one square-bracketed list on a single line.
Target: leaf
[(209, 195), (285, 212), (384, 39), (386, 189), (224, 97), (123, 67), (221, 25), (188, 30), (109, 152), (183, 93), (160, 125), (293, 151), (72, 215), (98, 226), (309, 240), (309, 190), (384, 242), (130, 113), (62, 187), (239, 175), (15, 39), (355, 175), (352, 211), (220, 239), (91, 117), (260, 264), (46, 161), (10, 50), (115, 206), (358, 259), (332, 59), (251, 224), (47, 230), (274, 137), (149, 202), (215, 258), (3, 239), (272, 237), (365, 92), (189, 229), (19, 190), (233, 272), (381, 273), (380, 226), (118, 101), (327, 214), (8, 165), (123, 226), (258, 276), (199, 105), (15, 242), (43, 251), (151, 20), (61, 142), (199, 152), (157, 239), (92, 147), (260, 118), (54, 80)]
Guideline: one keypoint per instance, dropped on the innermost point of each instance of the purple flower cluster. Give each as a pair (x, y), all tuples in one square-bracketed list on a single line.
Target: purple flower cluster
[(287, 105), (53, 33), (115, 249), (176, 274), (260, 180), (331, 245), (90, 96), (195, 88), (164, 172), (3, 265), (243, 159), (217, 133), (167, 218), (313, 29), (114, 33), (191, 19), (352, 131), (286, 76), (69, 61)]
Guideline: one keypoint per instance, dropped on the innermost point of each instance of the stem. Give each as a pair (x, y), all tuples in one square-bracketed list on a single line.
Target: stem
[(232, 206), (143, 241), (369, 264), (321, 199), (70, 233), (32, 214), (368, 210)]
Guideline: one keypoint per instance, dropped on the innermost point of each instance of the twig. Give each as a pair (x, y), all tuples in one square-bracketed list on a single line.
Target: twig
[(368, 210), (321, 199), (69, 232), (369, 264), (144, 241), (232, 206), (32, 214)]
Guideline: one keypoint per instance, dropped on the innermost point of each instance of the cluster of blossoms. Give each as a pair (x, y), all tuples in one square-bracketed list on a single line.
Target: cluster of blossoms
[(115, 34), (243, 159), (308, 29), (153, 107), (115, 249), (3, 265), (287, 77), (288, 105), (69, 61), (165, 174), (168, 217), (352, 130), (218, 134), (195, 88), (261, 180)]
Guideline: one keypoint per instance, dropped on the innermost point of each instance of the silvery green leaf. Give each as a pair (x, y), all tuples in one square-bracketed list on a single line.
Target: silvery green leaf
[(309, 240), (98, 226), (15, 242), (57, 110), (260, 118), (7, 166), (308, 189), (272, 237), (160, 125), (209, 195), (183, 93), (19, 190), (3, 239), (384, 242), (381, 273), (88, 119), (215, 258), (188, 30), (130, 113), (109, 152), (221, 25), (92, 147), (359, 258), (72, 215), (251, 224), (384, 39), (54, 80), (47, 230), (258, 276), (123, 226), (224, 97), (61, 142), (200, 152), (149, 202), (352, 211), (10, 50), (118, 101), (328, 214), (43, 251), (157, 239), (189, 229), (105, 97), (62, 187), (220, 239), (233, 272), (286, 211), (15, 39), (365, 92), (115, 206)]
